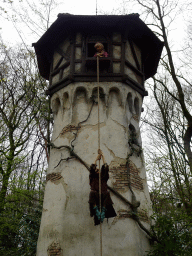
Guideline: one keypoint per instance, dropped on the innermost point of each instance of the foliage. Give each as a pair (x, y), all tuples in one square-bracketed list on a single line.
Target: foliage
[(20, 223), (174, 239), (20, 107), (24, 136), (25, 128), (172, 227)]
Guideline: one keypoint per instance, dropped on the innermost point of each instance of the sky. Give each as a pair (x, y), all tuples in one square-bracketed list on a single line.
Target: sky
[(10, 35), (88, 7), (9, 32)]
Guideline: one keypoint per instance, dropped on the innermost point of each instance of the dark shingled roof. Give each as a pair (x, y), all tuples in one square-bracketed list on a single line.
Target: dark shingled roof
[(131, 25)]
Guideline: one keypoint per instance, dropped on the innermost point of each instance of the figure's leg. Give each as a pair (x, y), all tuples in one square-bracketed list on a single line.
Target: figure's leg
[(107, 207), (97, 212), (94, 201), (103, 213), (103, 209)]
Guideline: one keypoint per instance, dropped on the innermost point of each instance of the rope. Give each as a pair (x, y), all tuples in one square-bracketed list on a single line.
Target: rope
[(98, 153), (98, 102)]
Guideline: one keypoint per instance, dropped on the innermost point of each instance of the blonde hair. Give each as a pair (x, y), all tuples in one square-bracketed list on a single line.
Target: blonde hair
[(99, 44)]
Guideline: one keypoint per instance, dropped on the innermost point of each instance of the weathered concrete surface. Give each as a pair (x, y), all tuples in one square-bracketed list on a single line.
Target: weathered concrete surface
[(66, 224)]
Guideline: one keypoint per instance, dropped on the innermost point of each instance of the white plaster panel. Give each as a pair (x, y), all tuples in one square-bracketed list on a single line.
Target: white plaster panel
[(130, 73), (116, 52), (129, 55), (138, 53), (66, 71), (56, 58), (63, 61), (77, 67), (116, 67), (55, 78), (78, 53), (65, 46)]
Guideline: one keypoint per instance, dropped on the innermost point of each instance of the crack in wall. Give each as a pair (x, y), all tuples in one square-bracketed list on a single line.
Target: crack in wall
[(124, 128), (65, 189), (110, 150)]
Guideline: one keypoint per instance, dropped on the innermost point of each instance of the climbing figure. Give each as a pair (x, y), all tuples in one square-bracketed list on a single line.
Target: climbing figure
[(107, 210)]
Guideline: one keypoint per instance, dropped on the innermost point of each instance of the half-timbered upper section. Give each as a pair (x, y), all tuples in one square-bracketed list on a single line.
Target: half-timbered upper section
[(65, 53)]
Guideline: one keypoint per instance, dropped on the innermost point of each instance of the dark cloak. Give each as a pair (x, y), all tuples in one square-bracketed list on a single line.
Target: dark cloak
[(106, 200)]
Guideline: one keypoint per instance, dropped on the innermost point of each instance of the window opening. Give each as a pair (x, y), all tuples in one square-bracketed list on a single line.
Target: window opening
[(91, 49), (136, 105), (91, 61), (130, 102)]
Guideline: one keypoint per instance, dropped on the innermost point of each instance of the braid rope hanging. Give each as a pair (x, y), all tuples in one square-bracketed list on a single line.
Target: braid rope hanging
[(101, 251)]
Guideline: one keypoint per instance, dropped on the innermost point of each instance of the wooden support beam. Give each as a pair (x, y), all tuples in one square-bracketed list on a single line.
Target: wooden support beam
[(63, 66), (62, 53), (134, 54)]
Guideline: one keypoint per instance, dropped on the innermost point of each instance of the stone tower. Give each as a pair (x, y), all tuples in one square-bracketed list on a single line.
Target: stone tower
[(65, 58)]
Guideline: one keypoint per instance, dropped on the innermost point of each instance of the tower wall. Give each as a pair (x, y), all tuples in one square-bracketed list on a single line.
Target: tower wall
[(65, 55), (66, 226)]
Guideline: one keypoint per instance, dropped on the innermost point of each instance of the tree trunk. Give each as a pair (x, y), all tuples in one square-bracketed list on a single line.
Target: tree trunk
[(3, 192), (187, 140)]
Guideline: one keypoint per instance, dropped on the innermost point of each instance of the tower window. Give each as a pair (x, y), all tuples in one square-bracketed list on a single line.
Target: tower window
[(91, 49), (91, 63), (92, 40)]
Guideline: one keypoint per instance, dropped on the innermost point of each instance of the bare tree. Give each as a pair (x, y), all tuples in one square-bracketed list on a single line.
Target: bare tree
[(31, 18), (170, 118), (20, 105)]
